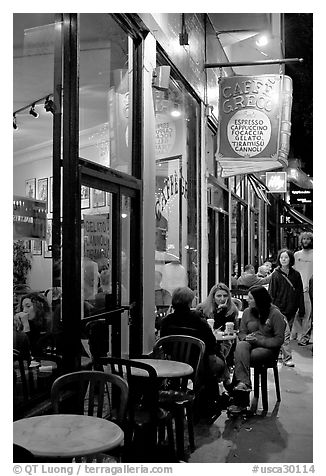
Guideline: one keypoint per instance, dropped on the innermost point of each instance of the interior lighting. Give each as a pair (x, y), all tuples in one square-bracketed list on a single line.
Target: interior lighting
[(262, 40), (49, 105), (33, 112), (15, 122), (176, 110)]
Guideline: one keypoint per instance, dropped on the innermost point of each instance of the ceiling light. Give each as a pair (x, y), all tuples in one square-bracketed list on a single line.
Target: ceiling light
[(262, 40), (49, 105), (15, 122), (175, 112), (33, 112)]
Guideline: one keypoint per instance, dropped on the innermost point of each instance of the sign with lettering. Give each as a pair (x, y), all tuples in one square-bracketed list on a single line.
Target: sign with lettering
[(276, 182), (255, 113), (96, 237), (29, 218), (300, 196)]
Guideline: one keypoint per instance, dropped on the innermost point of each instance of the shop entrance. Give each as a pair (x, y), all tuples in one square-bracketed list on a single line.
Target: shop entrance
[(110, 260)]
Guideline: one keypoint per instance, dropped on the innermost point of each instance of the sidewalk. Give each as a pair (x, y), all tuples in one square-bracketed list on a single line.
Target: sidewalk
[(284, 435)]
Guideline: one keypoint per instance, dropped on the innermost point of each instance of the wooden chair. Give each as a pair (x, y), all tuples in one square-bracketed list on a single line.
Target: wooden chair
[(190, 350), (260, 381), (92, 393), (242, 295), (147, 422)]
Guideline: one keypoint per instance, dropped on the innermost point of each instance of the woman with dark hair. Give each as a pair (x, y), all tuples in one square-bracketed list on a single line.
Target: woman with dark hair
[(260, 336), (34, 313), (286, 290)]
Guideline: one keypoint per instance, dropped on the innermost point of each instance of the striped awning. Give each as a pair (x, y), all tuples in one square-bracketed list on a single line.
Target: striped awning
[(259, 188)]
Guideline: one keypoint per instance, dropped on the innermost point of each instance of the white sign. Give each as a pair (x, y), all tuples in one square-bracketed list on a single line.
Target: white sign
[(249, 132)]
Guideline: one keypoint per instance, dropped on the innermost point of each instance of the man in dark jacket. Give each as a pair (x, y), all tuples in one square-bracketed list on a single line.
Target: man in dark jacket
[(249, 278)]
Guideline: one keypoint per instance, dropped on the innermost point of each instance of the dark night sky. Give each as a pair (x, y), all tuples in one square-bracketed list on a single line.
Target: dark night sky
[(299, 44)]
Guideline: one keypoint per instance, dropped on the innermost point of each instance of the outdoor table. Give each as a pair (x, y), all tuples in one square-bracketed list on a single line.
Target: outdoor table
[(164, 368), (66, 436)]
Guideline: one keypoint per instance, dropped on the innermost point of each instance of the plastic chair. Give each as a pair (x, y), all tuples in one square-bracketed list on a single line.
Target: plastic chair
[(260, 381), (190, 350), (147, 422), (93, 393)]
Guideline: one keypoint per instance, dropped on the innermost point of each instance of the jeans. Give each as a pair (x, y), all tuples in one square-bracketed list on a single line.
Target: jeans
[(286, 350), (302, 330), (247, 354)]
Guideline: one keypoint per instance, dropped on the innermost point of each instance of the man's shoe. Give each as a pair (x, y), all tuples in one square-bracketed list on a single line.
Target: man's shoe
[(242, 387), (288, 363)]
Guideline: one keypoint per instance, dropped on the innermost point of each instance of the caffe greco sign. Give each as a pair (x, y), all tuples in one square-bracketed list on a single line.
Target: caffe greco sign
[(254, 113)]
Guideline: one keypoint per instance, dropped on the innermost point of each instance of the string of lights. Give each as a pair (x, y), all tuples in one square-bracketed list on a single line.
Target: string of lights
[(49, 106)]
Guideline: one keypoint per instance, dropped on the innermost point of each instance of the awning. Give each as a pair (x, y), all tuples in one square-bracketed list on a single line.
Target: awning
[(299, 217), (259, 188)]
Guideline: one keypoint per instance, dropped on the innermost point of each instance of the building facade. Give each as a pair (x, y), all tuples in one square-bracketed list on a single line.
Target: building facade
[(122, 154)]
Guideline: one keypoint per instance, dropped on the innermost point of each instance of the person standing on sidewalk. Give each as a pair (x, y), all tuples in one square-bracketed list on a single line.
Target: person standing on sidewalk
[(286, 291), (304, 264)]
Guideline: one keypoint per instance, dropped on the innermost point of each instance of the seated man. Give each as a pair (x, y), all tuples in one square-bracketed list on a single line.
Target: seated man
[(213, 366), (248, 278)]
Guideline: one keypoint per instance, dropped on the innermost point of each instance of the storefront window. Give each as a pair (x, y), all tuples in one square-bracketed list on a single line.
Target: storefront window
[(176, 255), (105, 90), (36, 301)]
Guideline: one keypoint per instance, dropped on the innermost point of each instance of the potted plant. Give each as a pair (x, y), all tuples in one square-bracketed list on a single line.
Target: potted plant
[(22, 263)]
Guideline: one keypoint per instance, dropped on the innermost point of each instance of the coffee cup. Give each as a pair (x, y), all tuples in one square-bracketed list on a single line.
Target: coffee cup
[(229, 328), (211, 323)]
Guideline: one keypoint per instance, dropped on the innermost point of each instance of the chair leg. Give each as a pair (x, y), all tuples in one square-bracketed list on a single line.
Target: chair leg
[(256, 381), (179, 432), (190, 421), (264, 390), (277, 383), (170, 435)]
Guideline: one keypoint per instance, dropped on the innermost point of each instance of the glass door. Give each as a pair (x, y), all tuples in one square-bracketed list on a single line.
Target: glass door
[(107, 259)]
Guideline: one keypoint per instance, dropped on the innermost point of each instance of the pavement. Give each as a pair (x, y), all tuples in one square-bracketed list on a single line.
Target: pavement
[(283, 435)]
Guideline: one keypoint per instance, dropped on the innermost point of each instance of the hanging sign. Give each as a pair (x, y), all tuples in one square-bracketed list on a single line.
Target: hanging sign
[(254, 132), (29, 218), (276, 182)]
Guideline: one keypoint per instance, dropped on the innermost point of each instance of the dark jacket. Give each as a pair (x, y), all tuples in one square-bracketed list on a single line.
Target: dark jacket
[(188, 318), (286, 297), (247, 280), (270, 334)]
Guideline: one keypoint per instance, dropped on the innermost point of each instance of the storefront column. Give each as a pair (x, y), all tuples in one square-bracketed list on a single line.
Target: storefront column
[(149, 63)]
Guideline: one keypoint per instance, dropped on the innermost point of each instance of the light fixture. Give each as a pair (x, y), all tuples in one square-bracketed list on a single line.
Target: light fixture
[(183, 36), (262, 40), (175, 112), (49, 105), (15, 122), (33, 112)]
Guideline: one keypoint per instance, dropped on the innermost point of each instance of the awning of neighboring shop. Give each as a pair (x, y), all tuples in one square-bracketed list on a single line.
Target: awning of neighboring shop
[(299, 217), (259, 188)]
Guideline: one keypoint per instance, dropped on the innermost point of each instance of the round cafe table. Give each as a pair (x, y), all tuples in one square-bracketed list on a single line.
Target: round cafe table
[(66, 436), (164, 368)]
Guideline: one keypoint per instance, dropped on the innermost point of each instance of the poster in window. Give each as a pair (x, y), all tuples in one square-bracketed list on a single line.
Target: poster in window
[(42, 190), (98, 198), (37, 247), (48, 239), (84, 195), (28, 246), (30, 188)]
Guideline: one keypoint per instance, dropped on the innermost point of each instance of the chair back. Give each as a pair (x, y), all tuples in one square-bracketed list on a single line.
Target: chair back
[(242, 295), (183, 348), (143, 391), (92, 393)]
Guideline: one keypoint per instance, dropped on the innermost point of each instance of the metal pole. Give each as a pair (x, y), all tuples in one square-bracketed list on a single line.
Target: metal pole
[(253, 63)]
